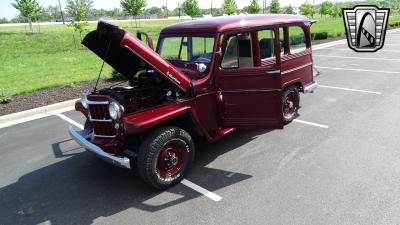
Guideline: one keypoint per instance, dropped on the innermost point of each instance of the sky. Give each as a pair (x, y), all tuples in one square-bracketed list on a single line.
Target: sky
[(7, 11)]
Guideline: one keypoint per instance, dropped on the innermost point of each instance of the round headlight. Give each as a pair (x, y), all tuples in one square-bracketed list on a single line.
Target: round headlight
[(115, 110)]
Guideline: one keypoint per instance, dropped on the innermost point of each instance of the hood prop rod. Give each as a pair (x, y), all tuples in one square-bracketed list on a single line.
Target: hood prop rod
[(102, 65)]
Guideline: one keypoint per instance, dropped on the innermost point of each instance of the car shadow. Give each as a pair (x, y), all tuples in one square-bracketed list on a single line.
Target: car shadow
[(79, 187)]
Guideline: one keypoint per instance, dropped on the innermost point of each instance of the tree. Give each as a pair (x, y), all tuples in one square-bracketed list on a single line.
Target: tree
[(229, 7), (336, 10), (289, 10), (307, 9), (254, 7), (191, 8), (133, 7), (86, 5), (165, 11), (50, 13), (80, 20), (29, 9), (274, 7), (3, 20), (326, 8), (154, 11)]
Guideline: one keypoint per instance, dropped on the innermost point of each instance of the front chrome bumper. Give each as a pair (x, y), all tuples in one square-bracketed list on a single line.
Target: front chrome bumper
[(113, 159), (310, 88)]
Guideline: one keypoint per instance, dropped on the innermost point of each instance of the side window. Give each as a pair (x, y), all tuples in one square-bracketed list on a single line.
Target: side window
[(282, 40), (266, 40), (297, 39), (231, 58), (238, 52)]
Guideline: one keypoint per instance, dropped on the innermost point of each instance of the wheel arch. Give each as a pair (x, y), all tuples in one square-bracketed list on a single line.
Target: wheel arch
[(185, 121), (296, 84)]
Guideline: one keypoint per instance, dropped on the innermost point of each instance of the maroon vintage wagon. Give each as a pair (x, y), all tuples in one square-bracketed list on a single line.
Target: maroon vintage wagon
[(206, 78)]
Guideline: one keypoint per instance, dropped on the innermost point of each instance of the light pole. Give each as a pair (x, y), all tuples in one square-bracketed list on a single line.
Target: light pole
[(211, 9), (62, 15), (179, 10), (166, 8)]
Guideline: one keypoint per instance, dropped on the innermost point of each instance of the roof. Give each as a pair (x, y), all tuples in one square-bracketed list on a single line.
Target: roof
[(225, 23)]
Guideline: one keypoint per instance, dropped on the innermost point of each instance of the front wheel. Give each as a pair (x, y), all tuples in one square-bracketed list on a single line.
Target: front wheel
[(290, 101), (165, 156)]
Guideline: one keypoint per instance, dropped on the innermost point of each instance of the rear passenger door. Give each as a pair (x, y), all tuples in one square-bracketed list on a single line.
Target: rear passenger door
[(248, 80), (296, 58)]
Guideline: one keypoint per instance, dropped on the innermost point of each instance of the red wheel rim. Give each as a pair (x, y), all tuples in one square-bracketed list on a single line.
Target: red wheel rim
[(289, 107), (171, 159)]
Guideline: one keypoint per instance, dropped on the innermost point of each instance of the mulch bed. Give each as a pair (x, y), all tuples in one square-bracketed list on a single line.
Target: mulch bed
[(49, 96)]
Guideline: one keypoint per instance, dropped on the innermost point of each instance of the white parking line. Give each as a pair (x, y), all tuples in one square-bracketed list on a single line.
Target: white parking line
[(351, 57), (361, 70), (201, 190), (311, 123), (328, 44), (349, 89), (78, 125), (185, 182)]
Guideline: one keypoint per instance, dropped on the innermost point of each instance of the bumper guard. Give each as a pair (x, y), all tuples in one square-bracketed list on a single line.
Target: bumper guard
[(113, 159), (310, 88)]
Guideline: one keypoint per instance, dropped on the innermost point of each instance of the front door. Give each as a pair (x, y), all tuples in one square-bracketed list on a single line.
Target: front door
[(249, 81)]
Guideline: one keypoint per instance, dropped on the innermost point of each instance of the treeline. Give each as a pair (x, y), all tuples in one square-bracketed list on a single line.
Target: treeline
[(188, 7)]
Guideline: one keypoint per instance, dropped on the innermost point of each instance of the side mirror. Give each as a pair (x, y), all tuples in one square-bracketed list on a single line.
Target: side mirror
[(201, 67), (148, 39)]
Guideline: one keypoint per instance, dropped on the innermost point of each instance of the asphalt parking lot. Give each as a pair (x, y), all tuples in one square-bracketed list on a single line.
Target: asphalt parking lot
[(339, 163)]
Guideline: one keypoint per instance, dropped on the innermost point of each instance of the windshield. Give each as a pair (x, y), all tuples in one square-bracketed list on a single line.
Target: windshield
[(189, 49)]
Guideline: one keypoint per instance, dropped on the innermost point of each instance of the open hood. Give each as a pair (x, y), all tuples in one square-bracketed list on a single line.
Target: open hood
[(127, 54)]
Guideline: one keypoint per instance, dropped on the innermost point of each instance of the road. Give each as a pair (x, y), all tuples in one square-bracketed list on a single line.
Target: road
[(338, 164)]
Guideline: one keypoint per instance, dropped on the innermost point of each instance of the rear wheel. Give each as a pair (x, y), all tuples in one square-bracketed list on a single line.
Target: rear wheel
[(290, 100), (165, 156)]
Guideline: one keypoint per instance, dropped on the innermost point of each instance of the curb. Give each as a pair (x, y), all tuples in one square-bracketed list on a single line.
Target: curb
[(36, 113)]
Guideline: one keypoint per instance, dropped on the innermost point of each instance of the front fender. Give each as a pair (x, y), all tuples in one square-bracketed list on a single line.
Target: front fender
[(137, 122)]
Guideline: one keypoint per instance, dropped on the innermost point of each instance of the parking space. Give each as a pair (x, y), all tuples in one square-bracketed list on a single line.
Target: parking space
[(339, 163)]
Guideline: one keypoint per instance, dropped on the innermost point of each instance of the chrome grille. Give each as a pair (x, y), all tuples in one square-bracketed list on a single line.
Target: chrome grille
[(102, 124)]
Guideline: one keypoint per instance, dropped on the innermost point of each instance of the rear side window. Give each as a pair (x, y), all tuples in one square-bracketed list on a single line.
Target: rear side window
[(297, 39), (266, 42), (282, 41)]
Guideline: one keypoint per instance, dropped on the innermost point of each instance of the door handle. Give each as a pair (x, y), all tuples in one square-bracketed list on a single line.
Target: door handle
[(273, 72)]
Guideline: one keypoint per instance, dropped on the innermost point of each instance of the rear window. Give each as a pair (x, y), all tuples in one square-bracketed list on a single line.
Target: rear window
[(297, 39)]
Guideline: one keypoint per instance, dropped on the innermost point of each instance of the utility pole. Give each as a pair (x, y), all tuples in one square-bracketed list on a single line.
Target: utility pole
[(179, 10), (264, 6), (211, 9), (62, 15), (166, 8)]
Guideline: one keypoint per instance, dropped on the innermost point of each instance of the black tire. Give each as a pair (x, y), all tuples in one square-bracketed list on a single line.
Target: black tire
[(290, 104), (149, 163)]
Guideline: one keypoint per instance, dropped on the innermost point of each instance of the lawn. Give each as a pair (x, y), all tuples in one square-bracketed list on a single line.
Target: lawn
[(50, 59)]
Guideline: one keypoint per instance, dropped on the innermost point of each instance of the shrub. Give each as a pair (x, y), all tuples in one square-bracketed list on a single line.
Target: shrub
[(4, 99), (319, 35), (116, 75)]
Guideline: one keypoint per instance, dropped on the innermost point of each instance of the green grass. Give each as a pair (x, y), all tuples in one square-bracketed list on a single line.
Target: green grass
[(334, 26), (50, 59)]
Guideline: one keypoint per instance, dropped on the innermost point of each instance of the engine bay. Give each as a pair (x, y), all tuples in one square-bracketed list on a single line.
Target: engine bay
[(145, 90)]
